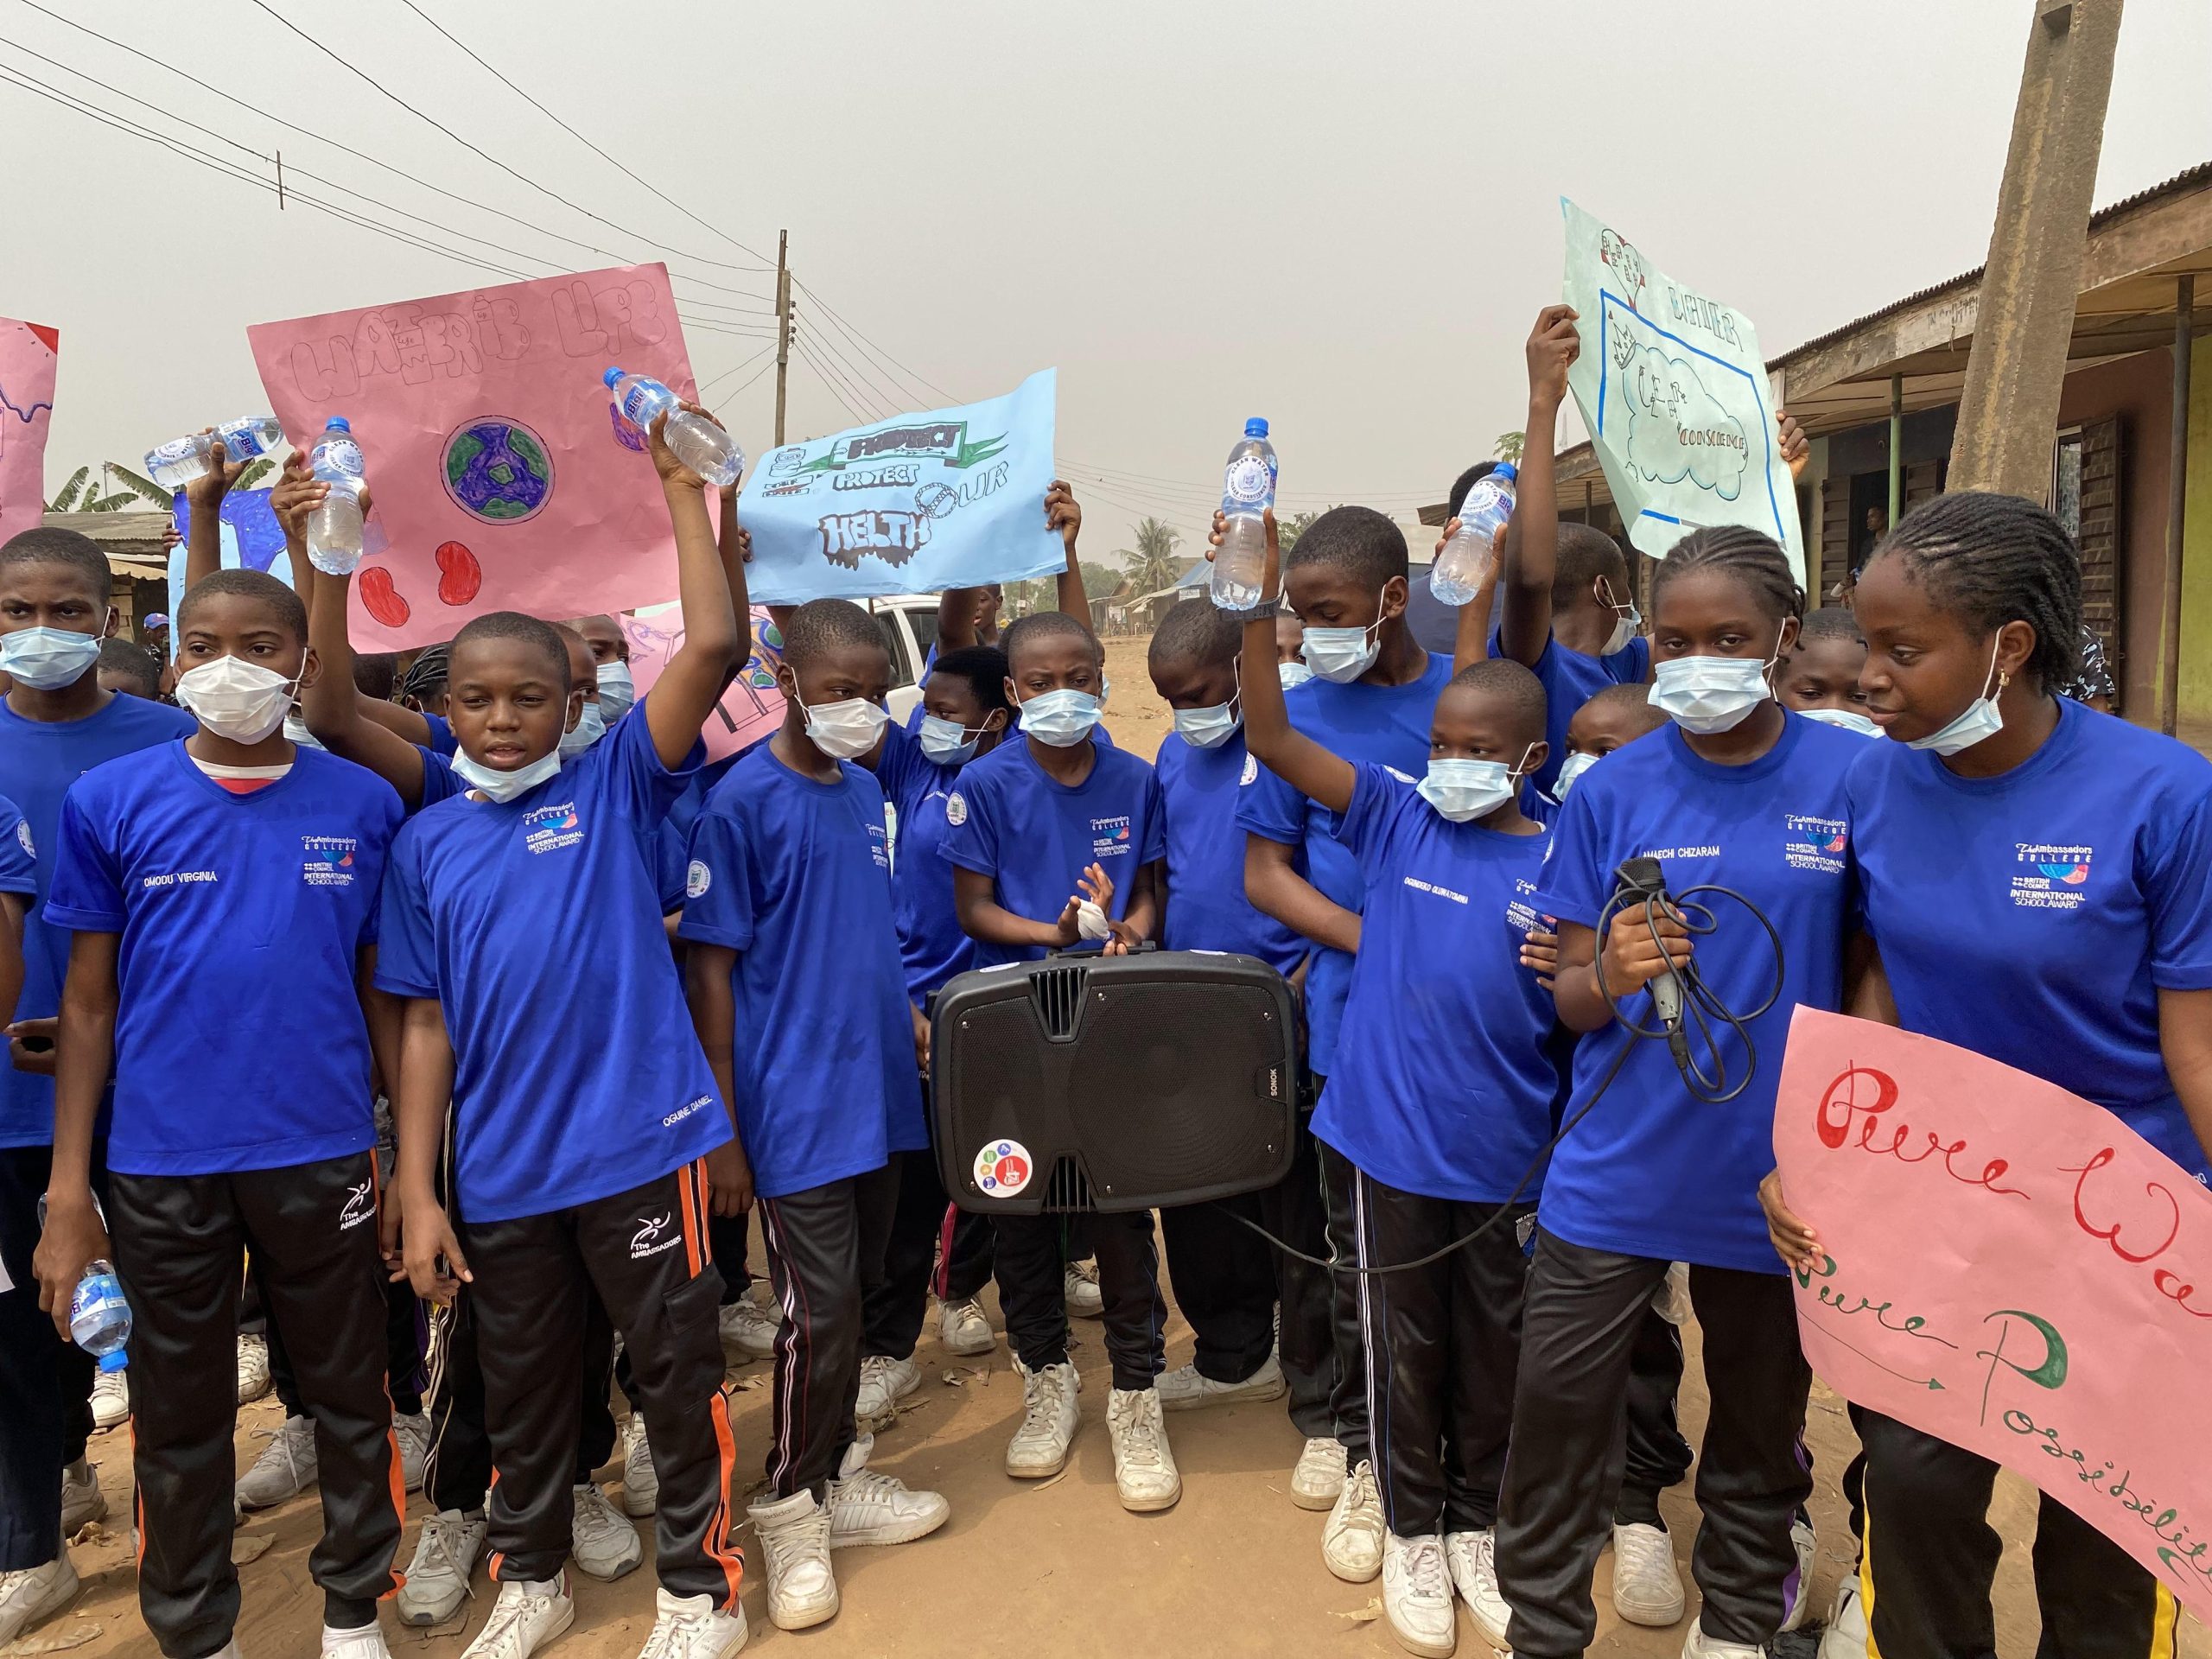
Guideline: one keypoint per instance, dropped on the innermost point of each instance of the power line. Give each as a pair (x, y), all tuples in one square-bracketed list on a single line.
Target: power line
[(829, 378), (750, 378), (853, 330), (726, 373)]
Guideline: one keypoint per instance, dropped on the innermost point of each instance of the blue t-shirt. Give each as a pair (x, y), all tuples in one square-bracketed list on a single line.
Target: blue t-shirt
[(240, 1040), (1571, 679), (931, 947), (1387, 724), (1206, 906), (1033, 836), (795, 876), (1443, 1085), (1653, 1171), (2035, 916), (441, 737), (536, 925), (39, 759), (18, 862)]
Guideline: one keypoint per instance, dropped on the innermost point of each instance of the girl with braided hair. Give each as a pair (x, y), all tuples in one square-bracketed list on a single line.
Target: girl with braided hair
[(2035, 877)]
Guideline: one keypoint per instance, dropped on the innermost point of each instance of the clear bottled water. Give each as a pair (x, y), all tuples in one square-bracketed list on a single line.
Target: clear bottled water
[(698, 443), (334, 528), (99, 1318), (1463, 566), (1247, 490), (178, 461)]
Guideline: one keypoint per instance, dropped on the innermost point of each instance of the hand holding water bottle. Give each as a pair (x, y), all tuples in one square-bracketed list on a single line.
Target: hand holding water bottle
[(205, 493), (71, 1238), (671, 428), (1248, 492), (693, 437), (178, 463), (334, 526)]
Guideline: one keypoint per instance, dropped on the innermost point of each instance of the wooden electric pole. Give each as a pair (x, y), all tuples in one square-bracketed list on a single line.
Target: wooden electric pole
[(783, 326)]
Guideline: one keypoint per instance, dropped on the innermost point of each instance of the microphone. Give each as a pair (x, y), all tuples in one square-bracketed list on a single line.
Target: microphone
[(1644, 883)]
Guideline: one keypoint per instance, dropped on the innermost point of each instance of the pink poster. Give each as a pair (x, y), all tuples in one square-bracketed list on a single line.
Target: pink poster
[(2010, 1267), (27, 361), (751, 709), (502, 478)]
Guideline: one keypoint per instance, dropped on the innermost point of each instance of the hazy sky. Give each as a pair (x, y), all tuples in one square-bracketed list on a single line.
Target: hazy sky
[(1341, 217)]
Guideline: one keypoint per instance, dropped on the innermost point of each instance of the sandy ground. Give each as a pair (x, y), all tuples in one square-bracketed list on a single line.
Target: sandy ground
[(1053, 1567)]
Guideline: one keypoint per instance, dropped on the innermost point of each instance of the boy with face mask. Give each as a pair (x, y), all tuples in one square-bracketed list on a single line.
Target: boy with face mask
[(184, 875), (55, 724)]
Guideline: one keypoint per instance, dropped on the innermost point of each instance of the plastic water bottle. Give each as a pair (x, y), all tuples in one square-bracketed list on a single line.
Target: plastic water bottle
[(699, 444), (178, 461), (100, 1319), (1247, 490), (1463, 567), (334, 528)]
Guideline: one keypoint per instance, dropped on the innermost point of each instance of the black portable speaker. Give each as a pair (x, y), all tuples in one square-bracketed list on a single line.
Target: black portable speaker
[(1114, 1083)]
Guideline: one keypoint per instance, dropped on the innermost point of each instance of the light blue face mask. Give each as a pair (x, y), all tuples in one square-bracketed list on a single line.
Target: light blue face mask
[(947, 741), (1708, 694), (1062, 718), (1294, 674), (1460, 789), (590, 727), (617, 691), (47, 657), (1979, 721), (1344, 654), (497, 785), (1570, 769), (1208, 728), (1849, 719)]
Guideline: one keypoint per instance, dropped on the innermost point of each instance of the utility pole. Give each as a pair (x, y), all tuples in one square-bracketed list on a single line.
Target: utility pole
[(783, 326), (2008, 411)]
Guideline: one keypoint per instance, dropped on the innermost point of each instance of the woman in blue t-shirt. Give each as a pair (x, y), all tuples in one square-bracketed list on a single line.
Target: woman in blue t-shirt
[(1742, 794), (2035, 879)]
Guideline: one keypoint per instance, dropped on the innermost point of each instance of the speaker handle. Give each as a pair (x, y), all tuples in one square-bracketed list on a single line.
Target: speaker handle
[(1097, 948)]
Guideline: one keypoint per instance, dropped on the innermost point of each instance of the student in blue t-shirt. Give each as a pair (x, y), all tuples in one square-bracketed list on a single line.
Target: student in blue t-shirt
[(1821, 679), (1224, 1273), (1440, 1103), (819, 1053), (55, 724), (588, 1138), (2035, 876), (1744, 795), (222, 892), (1373, 691), (1056, 839)]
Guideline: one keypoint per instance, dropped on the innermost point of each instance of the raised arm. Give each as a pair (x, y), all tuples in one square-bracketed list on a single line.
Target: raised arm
[(1064, 513), (682, 698), (1280, 748), (1471, 634), (1531, 553), (203, 551)]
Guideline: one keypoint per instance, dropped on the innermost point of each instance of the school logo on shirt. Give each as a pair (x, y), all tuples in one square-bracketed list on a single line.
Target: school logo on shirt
[(1251, 769), (329, 860), (647, 1240), (1520, 915), (23, 835), (1816, 844), (548, 828), (1109, 837), (360, 1206), (956, 809), (2051, 877), (878, 841), (698, 878), (1401, 777)]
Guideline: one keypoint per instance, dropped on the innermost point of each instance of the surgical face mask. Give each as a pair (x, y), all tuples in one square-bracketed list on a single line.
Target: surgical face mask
[(1062, 718), (236, 699), (947, 741), (1707, 695), (1208, 728), (1625, 629), (844, 730), (1979, 720), (296, 730), (47, 657), (1294, 674), (1849, 719), (616, 691), (505, 786), (1460, 789), (590, 727), (1105, 689), (1344, 654), (1570, 769)]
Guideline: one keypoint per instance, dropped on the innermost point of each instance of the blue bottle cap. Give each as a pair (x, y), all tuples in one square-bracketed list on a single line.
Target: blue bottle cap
[(338, 423), (610, 378), (114, 1360), (1256, 427), (1506, 470)]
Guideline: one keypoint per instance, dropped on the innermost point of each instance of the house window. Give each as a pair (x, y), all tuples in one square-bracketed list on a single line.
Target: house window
[(2066, 482)]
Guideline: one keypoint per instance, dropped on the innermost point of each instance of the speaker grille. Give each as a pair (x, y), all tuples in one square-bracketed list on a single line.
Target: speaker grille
[(1058, 992)]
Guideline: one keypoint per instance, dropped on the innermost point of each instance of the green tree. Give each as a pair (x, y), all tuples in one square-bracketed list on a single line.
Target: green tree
[(1288, 531), (82, 494), (1153, 565), (1509, 447)]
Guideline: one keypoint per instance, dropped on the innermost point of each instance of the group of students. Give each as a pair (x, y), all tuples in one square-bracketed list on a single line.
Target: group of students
[(618, 996)]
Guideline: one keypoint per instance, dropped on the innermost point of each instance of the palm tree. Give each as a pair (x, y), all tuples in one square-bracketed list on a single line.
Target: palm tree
[(1153, 566), (1288, 531), (81, 494), (1509, 447)]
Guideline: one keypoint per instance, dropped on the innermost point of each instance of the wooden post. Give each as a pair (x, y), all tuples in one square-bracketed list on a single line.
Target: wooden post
[(783, 326), (2176, 508), (1897, 448)]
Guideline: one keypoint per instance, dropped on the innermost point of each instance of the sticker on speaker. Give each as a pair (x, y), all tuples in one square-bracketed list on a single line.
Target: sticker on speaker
[(1002, 1168)]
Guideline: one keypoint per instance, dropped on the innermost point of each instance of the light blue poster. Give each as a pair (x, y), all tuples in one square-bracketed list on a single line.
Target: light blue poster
[(252, 539), (951, 498)]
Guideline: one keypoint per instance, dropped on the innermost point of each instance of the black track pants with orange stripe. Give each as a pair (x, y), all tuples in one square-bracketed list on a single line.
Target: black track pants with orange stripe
[(646, 1253), (179, 1244)]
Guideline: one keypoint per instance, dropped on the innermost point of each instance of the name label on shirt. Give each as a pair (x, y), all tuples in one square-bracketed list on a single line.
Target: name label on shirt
[(176, 878), (548, 828), (1419, 885), (2055, 877), (329, 860)]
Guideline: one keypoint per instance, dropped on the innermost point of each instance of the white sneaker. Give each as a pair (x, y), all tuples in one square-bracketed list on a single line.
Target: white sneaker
[(33, 1593), (641, 1480), (253, 1367), (692, 1627), (1472, 1559), (82, 1500), (794, 1534), (602, 1542), (748, 1327), (866, 1508), (412, 1430), (1320, 1475), (285, 1468), (1845, 1636), (1144, 1467), (1800, 1594), (1351, 1539), (963, 1328), (446, 1553), (1647, 1585), (1185, 1389), (884, 1383), (1040, 1446), (524, 1619), (1417, 1595), (1080, 1283), (367, 1643), (1699, 1645), (111, 1398)]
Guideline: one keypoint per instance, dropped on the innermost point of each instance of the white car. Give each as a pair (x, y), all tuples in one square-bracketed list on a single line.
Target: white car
[(909, 624)]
